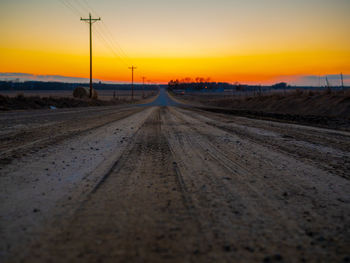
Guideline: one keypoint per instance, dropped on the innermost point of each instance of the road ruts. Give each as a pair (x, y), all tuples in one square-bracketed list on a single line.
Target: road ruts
[(139, 213), (193, 186), (27, 133)]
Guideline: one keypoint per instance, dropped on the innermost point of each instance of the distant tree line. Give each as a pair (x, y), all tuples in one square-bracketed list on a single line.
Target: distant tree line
[(196, 84), (39, 85), (204, 84)]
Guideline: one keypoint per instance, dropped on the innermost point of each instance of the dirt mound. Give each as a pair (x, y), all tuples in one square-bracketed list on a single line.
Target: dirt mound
[(336, 104), (323, 109), (83, 93), (330, 104)]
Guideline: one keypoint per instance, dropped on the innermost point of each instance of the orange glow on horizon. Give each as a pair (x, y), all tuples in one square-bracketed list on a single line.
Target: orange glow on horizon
[(263, 68), (262, 43)]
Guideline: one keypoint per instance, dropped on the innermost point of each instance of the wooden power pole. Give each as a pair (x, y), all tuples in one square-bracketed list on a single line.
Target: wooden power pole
[(132, 81), (90, 21), (143, 87)]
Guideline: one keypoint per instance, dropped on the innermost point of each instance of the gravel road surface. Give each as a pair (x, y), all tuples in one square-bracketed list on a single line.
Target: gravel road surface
[(166, 183)]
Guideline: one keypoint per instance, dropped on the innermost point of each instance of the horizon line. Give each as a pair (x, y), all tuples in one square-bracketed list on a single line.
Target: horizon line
[(294, 80)]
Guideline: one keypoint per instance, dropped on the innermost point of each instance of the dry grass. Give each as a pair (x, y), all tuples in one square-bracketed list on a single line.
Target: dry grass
[(21, 102), (302, 102)]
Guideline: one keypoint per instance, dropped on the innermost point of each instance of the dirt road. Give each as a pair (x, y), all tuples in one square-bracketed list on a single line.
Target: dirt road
[(171, 184)]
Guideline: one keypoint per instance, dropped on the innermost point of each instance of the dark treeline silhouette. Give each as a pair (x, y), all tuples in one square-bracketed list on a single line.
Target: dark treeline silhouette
[(202, 84), (205, 85), (199, 84), (39, 85)]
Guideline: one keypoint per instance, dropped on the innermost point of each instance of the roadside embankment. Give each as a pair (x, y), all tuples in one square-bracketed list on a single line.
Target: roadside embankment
[(21, 102), (325, 109)]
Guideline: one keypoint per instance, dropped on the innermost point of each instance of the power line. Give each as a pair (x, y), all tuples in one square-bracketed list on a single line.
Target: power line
[(115, 42), (102, 32), (83, 7), (106, 31), (108, 46), (72, 8)]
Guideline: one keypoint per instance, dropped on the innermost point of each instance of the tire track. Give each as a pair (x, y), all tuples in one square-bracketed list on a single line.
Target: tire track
[(336, 165), (296, 228), (144, 205), (58, 206), (181, 190), (52, 139)]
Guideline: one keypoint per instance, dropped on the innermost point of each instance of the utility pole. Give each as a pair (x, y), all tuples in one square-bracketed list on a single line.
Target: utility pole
[(90, 21), (143, 87), (232, 91), (319, 82), (328, 85), (132, 81), (342, 80)]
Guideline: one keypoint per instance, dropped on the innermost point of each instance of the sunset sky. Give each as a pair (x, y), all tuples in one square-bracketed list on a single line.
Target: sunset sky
[(250, 41)]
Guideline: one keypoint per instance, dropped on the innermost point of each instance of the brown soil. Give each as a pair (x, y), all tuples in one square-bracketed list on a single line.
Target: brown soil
[(322, 109), (21, 102), (170, 184)]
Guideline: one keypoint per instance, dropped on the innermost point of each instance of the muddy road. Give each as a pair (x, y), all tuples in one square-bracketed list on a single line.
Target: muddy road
[(166, 183)]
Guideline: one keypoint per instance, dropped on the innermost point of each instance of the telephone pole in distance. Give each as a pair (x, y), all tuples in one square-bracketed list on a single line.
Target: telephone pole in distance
[(132, 81), (143, 87), (90, 21)]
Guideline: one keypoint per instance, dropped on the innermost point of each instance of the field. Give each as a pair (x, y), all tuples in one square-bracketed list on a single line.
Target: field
[(63, 99), (321, 108), (158, 183), (103, 94)]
